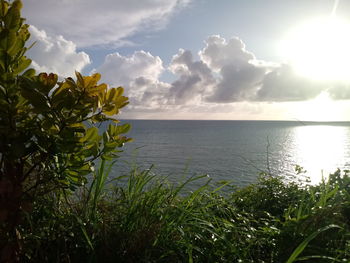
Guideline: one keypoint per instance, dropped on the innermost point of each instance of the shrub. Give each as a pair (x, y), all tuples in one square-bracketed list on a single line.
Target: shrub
[(49, 138)]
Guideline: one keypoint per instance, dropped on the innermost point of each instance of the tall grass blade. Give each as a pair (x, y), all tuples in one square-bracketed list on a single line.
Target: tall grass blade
[(319, 257), (87, 238), (97, 186), (83, 230), (304, 244), (222, 186), (189, 180)]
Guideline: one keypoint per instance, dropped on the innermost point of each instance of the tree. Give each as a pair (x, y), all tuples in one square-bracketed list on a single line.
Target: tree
[(49, 136)]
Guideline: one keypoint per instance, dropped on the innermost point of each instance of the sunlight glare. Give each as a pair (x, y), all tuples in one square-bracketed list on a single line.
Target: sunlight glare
[(322, 108), (320, 148), (319, 49)]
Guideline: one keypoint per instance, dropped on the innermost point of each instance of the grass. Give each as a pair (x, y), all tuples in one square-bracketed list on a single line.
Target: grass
[(148, 219)]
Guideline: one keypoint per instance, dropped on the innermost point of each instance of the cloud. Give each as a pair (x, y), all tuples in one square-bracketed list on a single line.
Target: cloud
[(244, 78), (148, 94), (339, 91), (240, 74), (139, 73), (91, 22), (194, 78), (219, 53), (237, 83), (121, 70), (283, 84), (55, 54), (224, 79)]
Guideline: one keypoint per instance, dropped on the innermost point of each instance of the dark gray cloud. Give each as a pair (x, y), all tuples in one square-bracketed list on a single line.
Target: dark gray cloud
[(151, 93), (237, 83), (194, 78)]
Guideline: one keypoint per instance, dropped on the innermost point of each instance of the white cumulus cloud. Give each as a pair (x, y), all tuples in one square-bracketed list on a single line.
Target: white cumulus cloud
[(219, 53), (121, 70), (139, 73), (55, 54)]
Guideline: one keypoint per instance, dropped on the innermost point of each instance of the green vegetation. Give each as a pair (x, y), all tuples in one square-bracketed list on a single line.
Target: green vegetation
[(54, 207), (49, 139), (148, 220)]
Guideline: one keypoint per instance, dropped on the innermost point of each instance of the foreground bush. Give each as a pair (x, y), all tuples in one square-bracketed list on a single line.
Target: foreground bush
[(48, 129), (148, 220)]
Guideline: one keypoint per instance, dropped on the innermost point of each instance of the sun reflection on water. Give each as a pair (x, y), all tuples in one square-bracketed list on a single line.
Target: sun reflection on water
[(320, 149)]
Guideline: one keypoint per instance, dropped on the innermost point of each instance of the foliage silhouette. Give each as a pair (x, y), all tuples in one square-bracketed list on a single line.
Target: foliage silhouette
[(48, 128)]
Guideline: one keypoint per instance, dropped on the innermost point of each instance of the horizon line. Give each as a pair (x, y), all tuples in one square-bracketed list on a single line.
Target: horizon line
[(270, 120)]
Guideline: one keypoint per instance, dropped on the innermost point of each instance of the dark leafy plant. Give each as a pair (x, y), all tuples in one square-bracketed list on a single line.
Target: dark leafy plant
[(48, 128), (270, 195)]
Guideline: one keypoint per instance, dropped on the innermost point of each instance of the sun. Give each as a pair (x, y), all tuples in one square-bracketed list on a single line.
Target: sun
[(319, 49)]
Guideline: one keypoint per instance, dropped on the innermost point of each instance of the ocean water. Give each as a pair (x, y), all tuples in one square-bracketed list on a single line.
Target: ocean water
[(236, 150)]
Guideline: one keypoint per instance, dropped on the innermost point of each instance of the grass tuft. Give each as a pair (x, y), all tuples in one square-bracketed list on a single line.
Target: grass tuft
[(142, 217)]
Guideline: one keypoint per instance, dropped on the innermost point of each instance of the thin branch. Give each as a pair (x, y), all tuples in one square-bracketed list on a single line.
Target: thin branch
[(267, 155), (87, 118)]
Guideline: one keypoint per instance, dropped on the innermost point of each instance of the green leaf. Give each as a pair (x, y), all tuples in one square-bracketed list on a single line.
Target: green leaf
[(23, 64), (12, 19), (77, 127), (123, 128), (82, 227), (97, 90), (105, 137), (110, 110), (91, 134), (91, 81), (36, 99), (24, 34), (29, 73), (3, 8), (303, 244), (63, 86), (3, 59), (80, 79), (7, 40), (63, 99), (120, 102), (111, 94), (16, 47), (47, 82), (2, 91)]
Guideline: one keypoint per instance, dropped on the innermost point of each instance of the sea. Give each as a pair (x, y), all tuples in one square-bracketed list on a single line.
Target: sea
[(236, 151)]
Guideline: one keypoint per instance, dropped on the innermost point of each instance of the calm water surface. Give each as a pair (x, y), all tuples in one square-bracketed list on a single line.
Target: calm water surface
[(236, 150)]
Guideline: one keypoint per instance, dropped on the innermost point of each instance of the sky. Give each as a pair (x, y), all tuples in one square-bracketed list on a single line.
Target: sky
[(203, 59)]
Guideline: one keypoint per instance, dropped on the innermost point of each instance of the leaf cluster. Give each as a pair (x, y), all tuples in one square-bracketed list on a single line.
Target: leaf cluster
[(49, 128)]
